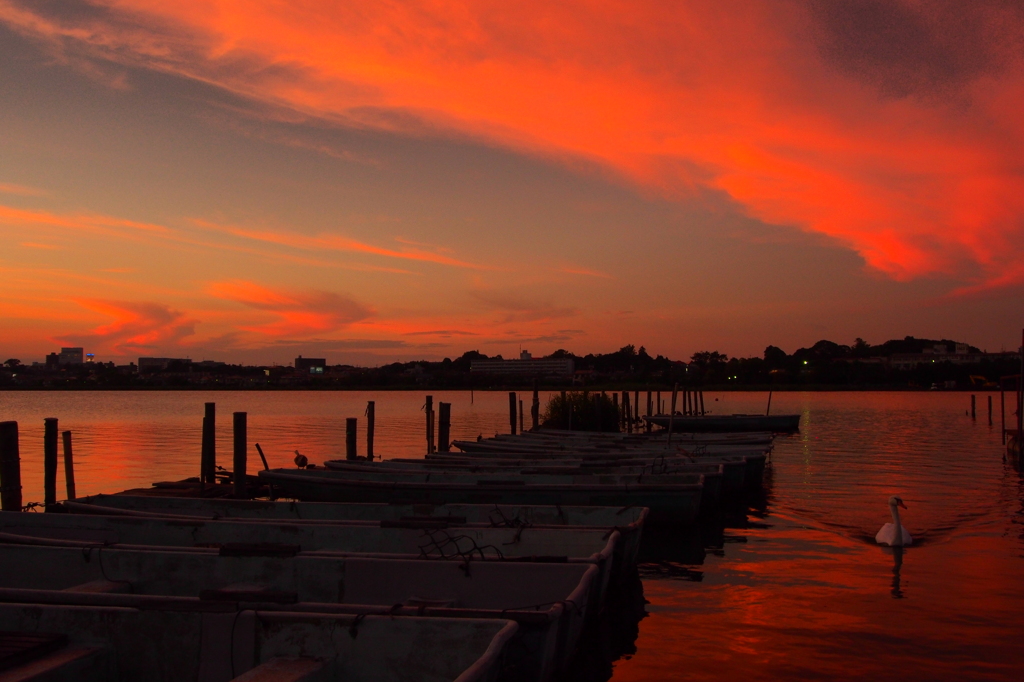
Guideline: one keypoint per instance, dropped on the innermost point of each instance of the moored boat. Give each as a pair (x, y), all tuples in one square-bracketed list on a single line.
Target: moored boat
[(776, 423)]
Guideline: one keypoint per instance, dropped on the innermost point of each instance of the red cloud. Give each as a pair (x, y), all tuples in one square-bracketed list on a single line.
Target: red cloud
[(298, 313), (137, 326), (805, 114)]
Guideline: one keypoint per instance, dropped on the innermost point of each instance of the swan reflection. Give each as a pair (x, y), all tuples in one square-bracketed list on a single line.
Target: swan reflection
[(897, 564)]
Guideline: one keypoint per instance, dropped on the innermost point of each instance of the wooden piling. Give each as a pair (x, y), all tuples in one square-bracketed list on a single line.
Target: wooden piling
[(702, 403), (10, 467), (990, 409), (649, 413), (444, 426), (241, 443), (351, 433), (618, 410), (512, 412), (521, 429), (69, 465), (974, 413), (672, 414), (636, 407), (428, 409), (535, 408), (49, 461), (208, 464), (627, 415), (370, 416), (597, 411), (658, 406), (1020, 402), (769, 408), (1002, 410)]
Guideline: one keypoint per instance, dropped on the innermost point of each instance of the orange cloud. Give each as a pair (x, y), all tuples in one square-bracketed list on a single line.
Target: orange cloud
[(298, 313), (574, 270), (137, 326), (337, 243), (20, 190), (803, 113), (82, 222)]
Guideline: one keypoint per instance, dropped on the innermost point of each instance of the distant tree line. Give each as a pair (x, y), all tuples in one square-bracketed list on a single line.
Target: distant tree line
[(826, 364)]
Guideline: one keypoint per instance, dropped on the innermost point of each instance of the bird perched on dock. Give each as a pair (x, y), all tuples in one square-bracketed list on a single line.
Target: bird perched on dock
[(300, 460), (894, 534)]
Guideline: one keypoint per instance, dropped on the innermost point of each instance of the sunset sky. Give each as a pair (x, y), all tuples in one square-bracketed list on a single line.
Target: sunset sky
[(372, 181)]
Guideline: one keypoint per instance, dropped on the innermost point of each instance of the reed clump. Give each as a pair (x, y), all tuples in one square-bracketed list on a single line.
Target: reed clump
[(581, 411)]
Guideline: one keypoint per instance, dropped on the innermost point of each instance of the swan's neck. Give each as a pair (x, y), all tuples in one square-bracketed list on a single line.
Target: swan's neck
[(898, 536)]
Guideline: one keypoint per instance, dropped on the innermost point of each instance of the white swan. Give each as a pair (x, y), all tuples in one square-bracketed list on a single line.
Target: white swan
[(894, 534)]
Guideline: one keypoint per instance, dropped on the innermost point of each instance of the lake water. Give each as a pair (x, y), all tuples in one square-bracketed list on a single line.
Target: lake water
[(789, 586)]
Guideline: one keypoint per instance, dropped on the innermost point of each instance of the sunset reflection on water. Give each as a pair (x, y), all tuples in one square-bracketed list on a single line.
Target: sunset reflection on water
[(791, 585)]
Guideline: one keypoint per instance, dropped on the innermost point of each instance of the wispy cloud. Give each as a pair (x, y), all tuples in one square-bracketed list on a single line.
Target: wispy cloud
[(330, 242), (21, 190), (81, 222), (576, 270), (514, 306), (298, 313)]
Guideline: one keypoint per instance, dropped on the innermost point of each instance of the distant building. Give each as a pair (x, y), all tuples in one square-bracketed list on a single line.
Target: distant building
[(526, 365), (147, 365), (52, 361), (310, 365), (71, 356), (941, 354)]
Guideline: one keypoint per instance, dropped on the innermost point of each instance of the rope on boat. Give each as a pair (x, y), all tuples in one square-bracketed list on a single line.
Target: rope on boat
[(537, 607), (353, 630), (506, 522), (440, 542)]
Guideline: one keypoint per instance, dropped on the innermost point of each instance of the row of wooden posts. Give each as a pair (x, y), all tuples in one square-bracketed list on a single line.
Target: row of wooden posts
[(10, 464), (628, 411)]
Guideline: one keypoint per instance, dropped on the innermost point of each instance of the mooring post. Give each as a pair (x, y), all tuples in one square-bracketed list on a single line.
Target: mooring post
[(627, 416), (208, 465), (512, 412), (1020, 401), (974, 414), (702, 403), (1002, 410), (636, 407), (241, 452), (428, 408), (351, 424), (769, 409), (990, 409), (597, 411), (370, 409), (69, 465), (49, 461), (521, 429), (649, 413), (658, 404), (444, 427), (535, 407), (618, 410), (10, 467), (672, 414)]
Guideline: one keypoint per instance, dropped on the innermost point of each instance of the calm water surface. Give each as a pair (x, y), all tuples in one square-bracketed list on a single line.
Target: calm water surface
[(790, 586)]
